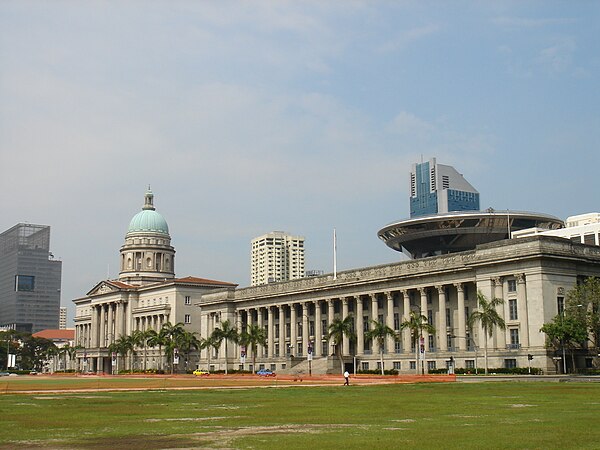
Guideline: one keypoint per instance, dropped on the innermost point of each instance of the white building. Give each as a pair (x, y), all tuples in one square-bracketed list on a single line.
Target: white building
[(276, 256), (583, 228), (146, 295)]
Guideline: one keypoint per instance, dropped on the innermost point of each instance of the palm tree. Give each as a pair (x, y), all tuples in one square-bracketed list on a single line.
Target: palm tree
[(226, 333), (489, 318), (137, 339), (188, 341), (208, 343), (146, 337), (125, 345), (379, 333), (172, 335), (253, 337), (417, 323), (337, 330), (156, 339)]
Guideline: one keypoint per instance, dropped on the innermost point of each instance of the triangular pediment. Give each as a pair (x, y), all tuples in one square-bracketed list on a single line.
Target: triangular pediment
[(104, 287)]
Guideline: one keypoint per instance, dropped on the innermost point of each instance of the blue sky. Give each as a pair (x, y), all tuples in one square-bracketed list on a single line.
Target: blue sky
[(248, 117)]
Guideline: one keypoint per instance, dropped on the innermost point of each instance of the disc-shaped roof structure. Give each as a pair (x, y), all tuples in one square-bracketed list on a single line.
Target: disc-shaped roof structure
[(459, 231)]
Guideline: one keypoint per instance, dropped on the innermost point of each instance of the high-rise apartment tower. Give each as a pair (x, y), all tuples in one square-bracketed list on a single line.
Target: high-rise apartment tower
[(276, 256), (436, 189), (29, 279)]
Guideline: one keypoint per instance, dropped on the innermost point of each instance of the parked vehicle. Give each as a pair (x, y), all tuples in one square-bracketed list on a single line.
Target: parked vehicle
[(199, 372), (265, 373)]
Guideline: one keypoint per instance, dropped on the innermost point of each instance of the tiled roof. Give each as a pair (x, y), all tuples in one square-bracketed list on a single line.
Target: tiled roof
[(196, 280), (121, 285), (68, 334)]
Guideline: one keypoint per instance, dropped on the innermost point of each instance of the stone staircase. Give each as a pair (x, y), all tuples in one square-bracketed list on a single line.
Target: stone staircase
[(319, 366)]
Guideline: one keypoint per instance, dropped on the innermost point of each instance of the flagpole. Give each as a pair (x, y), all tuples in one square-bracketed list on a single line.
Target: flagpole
[(334, 255)]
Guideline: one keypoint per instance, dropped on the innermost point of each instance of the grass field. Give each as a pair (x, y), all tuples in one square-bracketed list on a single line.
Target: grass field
[(533, 415)]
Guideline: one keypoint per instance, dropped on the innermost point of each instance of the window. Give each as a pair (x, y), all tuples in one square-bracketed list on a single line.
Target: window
[(429, 316), (560, 305), (396, 321), (512, 285), (448, 318), (413, 365), (514, 338), (378, 365), (24, 283), (364, 365), (449, 340), (324, 348), (431, 365), (512, 309), (431, 342), (324, 326), (365, 323), (188, 318), (469, 363), (397, 347), (510, 363), (397, 365), (188, 300)]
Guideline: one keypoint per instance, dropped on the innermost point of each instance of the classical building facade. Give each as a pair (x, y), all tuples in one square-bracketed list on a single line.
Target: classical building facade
[(532, 276), (146, 295)]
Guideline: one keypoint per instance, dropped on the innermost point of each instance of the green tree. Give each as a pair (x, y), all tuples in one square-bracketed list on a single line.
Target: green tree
[(209, 344), (157, 339), (226, 333), (122, 346), (565, 331), (378, 334), (417, 323), (252, 337), (188, 341), (34, 351), (583, 302), (173, 334), (336, 332), (487, 316)]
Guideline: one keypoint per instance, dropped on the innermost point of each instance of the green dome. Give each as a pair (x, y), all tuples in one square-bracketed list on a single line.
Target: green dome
[(148, 220)]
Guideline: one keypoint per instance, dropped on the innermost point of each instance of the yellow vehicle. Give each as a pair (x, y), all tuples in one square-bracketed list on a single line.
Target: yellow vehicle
[(199, 372)]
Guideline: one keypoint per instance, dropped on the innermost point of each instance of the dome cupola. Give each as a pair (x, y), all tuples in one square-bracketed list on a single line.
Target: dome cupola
[(147, 255)]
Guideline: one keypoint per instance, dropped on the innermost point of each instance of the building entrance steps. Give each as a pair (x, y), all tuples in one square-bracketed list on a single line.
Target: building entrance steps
[(318, 366)]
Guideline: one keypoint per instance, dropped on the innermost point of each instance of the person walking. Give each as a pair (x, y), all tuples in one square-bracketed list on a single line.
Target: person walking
[(346, 378)]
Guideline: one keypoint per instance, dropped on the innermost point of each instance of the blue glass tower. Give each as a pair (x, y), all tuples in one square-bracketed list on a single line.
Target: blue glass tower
[(437, 188)]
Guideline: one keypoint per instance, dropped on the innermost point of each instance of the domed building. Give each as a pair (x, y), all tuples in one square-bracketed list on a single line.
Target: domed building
[(146, 296), (147, 255)]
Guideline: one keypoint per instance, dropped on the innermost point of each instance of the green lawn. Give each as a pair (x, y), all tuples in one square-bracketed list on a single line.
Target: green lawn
[(454, 415)]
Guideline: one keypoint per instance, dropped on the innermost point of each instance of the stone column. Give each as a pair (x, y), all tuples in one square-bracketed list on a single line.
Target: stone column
[(389, 320), (346, 340), (94, 326), (497, 292), (375, 317), (330, 317), (406, 337), (271, 332), (360, 333), (305, 329), (102, 343), (522, 307), (442, 330), (282, 344), (293, 330), (261, 325), (111, 332), (461, 335), (423, 292), (318, 343)]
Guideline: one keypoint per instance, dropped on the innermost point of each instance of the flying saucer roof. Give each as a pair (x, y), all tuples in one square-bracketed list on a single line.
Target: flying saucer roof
[(459, 231)]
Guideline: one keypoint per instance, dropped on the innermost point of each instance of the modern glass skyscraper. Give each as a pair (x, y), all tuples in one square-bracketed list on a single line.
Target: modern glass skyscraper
[(437, 188), (30, 279)]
